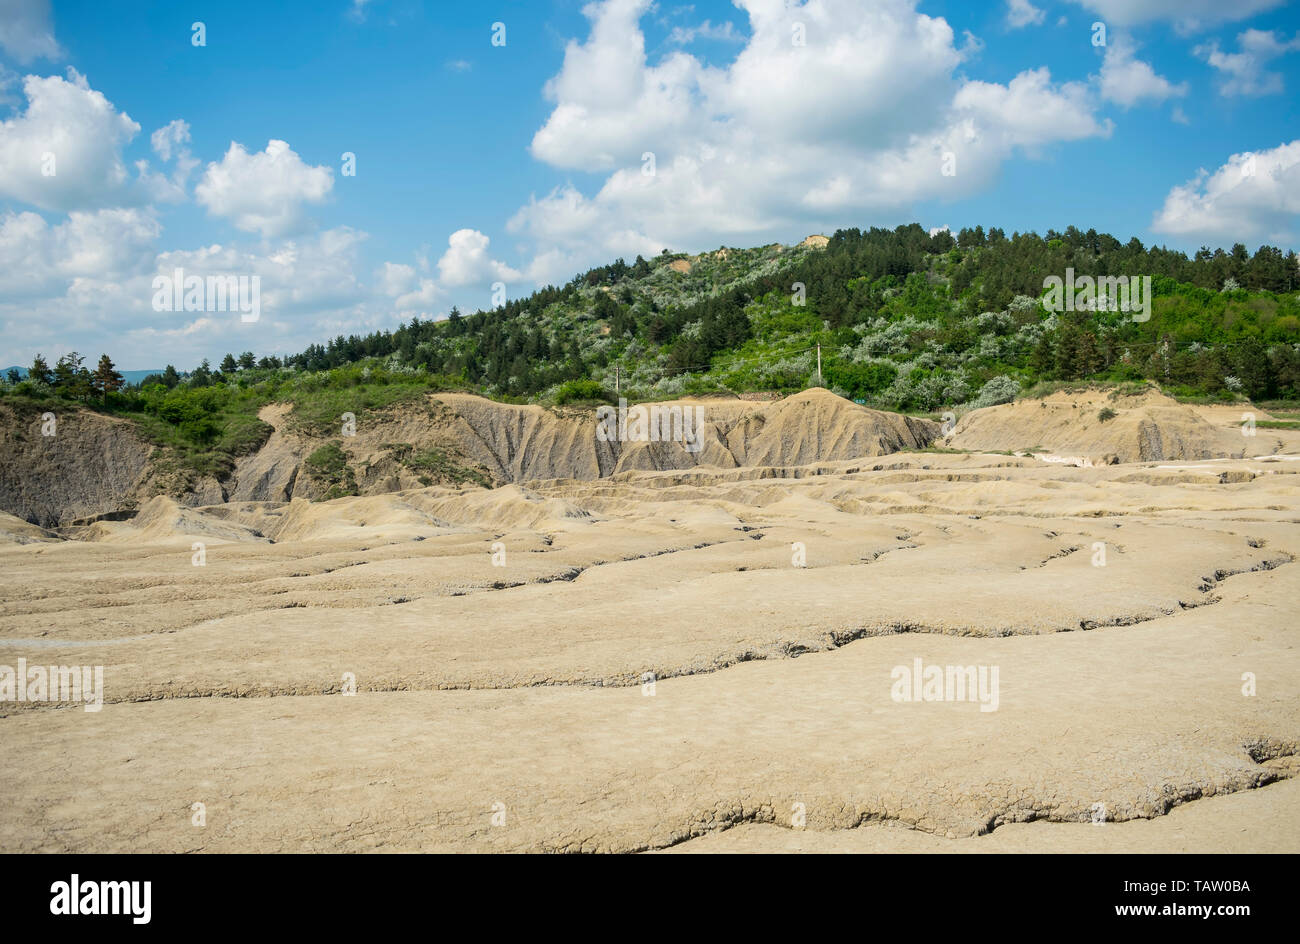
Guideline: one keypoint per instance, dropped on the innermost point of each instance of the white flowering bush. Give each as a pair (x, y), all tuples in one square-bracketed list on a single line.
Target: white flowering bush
[(1022, 304), (1001, 389), (994, 322)]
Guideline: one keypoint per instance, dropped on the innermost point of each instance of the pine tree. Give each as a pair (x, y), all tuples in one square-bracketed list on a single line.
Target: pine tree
[(106, 379), (40, 372), (71, 379), (202, 376)]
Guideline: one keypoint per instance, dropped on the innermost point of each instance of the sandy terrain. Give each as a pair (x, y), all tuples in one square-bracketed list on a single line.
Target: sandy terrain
[(499, 643)]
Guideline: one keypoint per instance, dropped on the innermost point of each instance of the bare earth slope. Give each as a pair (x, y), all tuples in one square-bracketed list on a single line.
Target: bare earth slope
[(1145, 427), (96, 465), (57, 468)]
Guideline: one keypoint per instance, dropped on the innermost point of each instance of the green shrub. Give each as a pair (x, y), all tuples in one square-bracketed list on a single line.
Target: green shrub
[(575, 391), (328, 467)]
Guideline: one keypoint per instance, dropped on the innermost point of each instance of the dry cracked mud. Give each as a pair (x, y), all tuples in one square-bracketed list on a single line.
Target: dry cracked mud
[(509, 707)]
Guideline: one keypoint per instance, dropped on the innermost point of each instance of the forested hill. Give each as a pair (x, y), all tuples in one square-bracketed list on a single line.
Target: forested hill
[(904, 320)]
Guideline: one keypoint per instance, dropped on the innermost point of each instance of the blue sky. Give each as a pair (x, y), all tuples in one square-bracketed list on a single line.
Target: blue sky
[(524, 163)]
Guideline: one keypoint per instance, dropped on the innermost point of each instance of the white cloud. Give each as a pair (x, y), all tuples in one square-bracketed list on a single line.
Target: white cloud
[(466, 261), (782, 138), (91, 279), (78, 129), (264, 192), (1186, 15), (1128, 81), (8, 81), (1253, 197), (171, 140), (299, 277), (1028, 112), (395, 278), (1022, 13), (1243, 72), (466, 272), (38, 259), (26, 32), (174, 134), (422, 299), (412, 293)]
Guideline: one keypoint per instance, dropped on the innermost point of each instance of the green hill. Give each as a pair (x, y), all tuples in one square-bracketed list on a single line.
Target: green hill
[(904, 321)]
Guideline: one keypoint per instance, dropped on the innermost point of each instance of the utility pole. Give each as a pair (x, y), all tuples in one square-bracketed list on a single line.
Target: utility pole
[(819, 364), (616, 378)]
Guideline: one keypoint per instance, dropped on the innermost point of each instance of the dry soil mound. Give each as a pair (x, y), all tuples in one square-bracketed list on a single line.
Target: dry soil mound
[(508, 508), (163, 521), (818, 426), (1068, 427), (379, 517), (14, 530)]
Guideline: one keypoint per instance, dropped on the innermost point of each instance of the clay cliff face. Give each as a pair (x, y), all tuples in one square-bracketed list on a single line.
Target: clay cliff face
[(90, 465), (99, 466)]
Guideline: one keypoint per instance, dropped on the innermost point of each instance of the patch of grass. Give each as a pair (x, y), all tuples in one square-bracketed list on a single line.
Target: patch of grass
[(328, 468), (434, 465), (1115, 389), (319, 412), (1106, 414), (1277, 424)]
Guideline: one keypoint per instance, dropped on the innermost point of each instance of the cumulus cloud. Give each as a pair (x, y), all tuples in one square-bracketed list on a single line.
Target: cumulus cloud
[(174, 134), (171, 140), (1128, 81), (1243, 72), (1022, 13), (298, 277), (466, 261), (395, 278), (40, 259), (466, 273), (784, 136), (91, 278), (1253, 197), (1185, 15), (263, 192), (64, 151), (26, 32)]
